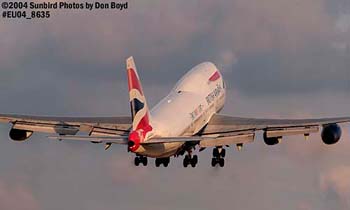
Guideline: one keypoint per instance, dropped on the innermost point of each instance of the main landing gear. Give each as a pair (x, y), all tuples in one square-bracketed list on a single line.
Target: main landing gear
[(140, 160), (164, 161), (143, 160), (190, 160), (218, 157)]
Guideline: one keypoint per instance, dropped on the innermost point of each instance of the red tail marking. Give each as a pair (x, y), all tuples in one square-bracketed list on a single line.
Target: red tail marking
[(138, 136), (135, 138), (133, 81), (144, 125)]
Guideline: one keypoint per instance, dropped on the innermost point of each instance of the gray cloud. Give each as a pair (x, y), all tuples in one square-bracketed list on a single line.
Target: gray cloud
[(17, 197), (336, 185), (279, 46)]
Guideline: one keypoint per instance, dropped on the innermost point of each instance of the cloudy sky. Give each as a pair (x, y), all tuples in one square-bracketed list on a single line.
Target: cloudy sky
[(280, 58)]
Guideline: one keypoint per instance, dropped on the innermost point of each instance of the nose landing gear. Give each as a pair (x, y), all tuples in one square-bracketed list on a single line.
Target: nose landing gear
[(218, 157)]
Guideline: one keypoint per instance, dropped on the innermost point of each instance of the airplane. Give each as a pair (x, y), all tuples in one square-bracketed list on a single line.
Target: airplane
[(186, 119)]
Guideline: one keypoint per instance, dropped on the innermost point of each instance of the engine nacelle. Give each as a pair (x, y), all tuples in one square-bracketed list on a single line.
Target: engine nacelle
[(331, 134), (272, 140), (19, 135)]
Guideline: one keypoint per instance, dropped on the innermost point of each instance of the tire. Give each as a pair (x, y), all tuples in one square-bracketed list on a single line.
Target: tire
[(195, 159), (213, 162), (144, 161), (193, 162), (186, 161), (222, 162), (223, 153), (157, 162), (137, 161), (166, 162)]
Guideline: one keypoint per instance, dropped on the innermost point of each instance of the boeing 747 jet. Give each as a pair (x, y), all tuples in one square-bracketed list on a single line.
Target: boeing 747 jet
[(187, 118)]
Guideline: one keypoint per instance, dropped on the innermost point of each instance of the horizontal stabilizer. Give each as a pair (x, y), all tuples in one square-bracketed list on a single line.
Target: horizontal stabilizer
[(172, 139), (95, 139)]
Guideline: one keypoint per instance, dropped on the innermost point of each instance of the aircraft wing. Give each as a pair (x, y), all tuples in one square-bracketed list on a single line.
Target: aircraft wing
[(107, 126), (220, 131), (237, 130), (223, 123)]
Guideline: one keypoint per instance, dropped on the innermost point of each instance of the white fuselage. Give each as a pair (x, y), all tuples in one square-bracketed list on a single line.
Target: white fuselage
[(186, 110)]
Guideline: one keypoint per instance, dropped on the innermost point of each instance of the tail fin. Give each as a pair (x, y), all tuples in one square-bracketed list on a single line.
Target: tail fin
[(139, 109)]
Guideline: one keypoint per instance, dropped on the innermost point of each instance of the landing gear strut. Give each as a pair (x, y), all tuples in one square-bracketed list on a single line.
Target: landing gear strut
[(140, 159), (164, 161), (218, 157)]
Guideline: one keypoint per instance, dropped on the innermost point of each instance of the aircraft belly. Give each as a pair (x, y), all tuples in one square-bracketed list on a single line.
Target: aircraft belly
[(160, 150)]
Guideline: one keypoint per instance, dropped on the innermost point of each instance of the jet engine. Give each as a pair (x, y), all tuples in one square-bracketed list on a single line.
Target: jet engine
[(19, 135), (271, 140), (331, 134)]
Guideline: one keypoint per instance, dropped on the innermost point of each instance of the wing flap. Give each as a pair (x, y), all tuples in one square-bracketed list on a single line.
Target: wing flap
[(103, 131), (227, 140), (279, 132), (47, 128)]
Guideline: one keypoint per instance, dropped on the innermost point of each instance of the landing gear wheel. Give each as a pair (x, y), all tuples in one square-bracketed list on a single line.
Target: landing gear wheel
[(144, 161), (166, 161), (186, 161), (137, 161), (213, 162), (194, 161), (222, 162), (158, 162), (218, 157)]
